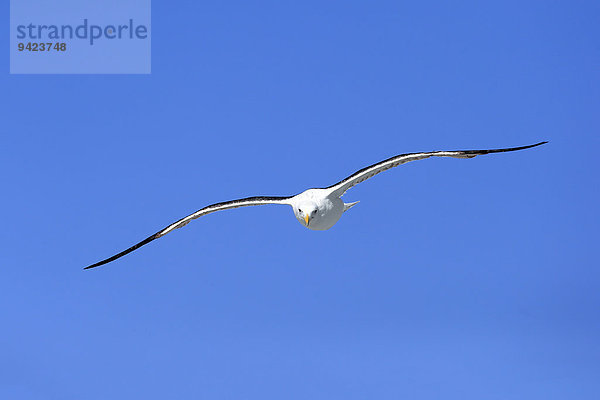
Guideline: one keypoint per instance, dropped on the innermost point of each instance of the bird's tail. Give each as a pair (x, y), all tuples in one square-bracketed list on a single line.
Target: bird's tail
[(348, 206)]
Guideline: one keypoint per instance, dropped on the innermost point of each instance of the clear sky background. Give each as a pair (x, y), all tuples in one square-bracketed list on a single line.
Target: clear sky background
[(453, 279)]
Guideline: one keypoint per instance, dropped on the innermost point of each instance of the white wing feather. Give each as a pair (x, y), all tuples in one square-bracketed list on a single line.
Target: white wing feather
[(368, 172), (249, 201)]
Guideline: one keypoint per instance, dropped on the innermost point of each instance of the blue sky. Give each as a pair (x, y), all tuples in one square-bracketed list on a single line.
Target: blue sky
[(450, 279)]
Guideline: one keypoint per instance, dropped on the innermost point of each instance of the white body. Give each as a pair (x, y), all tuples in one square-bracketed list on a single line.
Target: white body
[(318, 209)]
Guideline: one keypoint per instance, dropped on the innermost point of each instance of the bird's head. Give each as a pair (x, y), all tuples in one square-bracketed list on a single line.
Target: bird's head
[(305, 212)]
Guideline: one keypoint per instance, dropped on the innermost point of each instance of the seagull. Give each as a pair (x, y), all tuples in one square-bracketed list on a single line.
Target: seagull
[(319, 208)]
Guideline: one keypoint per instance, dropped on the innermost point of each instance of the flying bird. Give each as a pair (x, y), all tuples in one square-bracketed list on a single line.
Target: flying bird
[(317, 209)]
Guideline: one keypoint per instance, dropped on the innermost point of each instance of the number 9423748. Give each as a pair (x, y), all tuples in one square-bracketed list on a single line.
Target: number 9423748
[(42, 46)]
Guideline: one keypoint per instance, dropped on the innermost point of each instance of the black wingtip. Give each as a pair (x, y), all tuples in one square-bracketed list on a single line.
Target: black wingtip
[(537, 144), (532, 145), (529, 146), (99, 263), (124, 252), (479, 152)]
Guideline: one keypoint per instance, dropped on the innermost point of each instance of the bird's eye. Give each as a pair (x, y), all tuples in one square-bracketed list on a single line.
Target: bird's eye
[(314, 212), (300, 211)]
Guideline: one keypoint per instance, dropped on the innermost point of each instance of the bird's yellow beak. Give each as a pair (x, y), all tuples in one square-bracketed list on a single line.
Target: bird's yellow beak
[(306, 219)]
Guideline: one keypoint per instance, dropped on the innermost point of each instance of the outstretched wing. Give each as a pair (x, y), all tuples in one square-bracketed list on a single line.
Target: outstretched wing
[(362, 175), (249, 201)]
